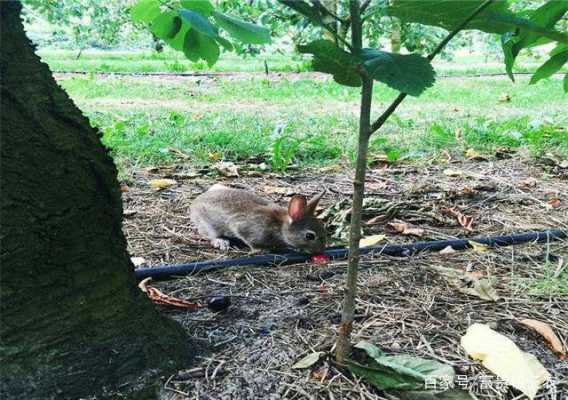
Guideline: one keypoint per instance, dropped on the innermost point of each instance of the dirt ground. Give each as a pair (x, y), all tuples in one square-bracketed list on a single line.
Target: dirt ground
[(278, 314)]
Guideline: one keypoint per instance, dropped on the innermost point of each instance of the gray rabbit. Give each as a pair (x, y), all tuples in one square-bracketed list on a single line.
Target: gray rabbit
[(222, 213)]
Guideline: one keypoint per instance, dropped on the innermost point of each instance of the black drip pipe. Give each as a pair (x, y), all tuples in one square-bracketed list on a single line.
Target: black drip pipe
[(405, 250)]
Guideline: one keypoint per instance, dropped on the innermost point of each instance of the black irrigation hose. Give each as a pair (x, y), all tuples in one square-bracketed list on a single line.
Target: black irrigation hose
[(406, 250)]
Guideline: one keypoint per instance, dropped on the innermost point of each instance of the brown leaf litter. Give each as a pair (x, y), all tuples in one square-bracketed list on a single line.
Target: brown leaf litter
[(405, 305)]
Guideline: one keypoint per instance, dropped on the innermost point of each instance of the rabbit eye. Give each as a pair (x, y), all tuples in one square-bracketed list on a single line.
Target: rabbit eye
[(310, 236)]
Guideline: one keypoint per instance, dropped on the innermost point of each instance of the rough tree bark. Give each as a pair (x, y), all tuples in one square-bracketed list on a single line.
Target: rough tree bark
[(73, 322)]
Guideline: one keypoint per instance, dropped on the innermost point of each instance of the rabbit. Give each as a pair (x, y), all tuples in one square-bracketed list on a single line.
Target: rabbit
[(222, 213)]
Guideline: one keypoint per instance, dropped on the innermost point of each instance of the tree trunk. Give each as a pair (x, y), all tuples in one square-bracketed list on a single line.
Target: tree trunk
[(73, 322)]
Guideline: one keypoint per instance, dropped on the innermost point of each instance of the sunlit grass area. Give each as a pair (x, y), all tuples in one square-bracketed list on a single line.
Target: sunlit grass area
[(142, 119)]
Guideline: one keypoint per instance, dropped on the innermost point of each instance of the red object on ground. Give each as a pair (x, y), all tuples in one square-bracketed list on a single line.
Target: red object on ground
[(319, 259)]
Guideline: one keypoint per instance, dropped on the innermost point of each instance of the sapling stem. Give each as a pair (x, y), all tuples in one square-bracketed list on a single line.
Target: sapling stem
[(343, 344)]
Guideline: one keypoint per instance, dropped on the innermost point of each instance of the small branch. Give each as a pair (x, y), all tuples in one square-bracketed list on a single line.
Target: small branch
[(385, 115), (365, 5)]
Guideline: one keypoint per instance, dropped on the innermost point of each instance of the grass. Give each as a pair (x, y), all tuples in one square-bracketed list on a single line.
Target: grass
[(143, 118), (174, 62), (167, 61)]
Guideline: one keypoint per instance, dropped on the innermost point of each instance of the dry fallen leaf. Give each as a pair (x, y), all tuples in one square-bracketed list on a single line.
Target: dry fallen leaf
[(501, 356), (404, 229), (453, 172), (478, 247), (214, 156), (555, 202), (227, 168), (160, 298), (447, 251), (371, 240), (137, 261), (548, 334), (466, 221), (480, 287), (124, 188), (475, 155), (162, 183), (308, 360)]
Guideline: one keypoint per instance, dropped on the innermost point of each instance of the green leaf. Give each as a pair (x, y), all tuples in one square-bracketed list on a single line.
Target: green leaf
[(199, 46), (407, 73), (507, 42), (178, 41), (401, 372), (547, 69), (545, 17), (203, 7), (225, 43), (331, 59), (241, 30), (199, 23), (166, 25), (449, 14), (566, 83), (145, 11)]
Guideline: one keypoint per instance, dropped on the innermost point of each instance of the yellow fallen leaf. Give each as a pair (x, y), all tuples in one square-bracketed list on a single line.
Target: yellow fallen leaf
[(453, 172), (162, 183), (214, 156), (371, 240), (548, 334), (478, 247), (501, 356), (479, 287)]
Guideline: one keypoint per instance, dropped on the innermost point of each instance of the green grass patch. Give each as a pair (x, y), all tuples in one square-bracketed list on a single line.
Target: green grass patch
[(144, 117)]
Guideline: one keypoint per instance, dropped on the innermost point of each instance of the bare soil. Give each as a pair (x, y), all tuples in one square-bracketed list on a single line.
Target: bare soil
[(278, 314)]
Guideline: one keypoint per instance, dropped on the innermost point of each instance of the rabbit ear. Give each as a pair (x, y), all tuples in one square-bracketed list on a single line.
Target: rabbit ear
[(313, 203), (297, 207)]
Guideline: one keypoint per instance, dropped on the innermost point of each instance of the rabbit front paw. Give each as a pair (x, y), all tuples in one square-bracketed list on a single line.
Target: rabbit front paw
[(221, 244)]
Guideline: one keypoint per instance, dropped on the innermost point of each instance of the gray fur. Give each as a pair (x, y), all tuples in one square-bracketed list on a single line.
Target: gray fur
[(222, 213)]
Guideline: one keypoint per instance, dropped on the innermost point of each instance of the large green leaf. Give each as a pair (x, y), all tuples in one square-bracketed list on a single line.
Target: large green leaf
[(401, 372), (550, 67), (544, 17), (199, 46), (449, 14), (166, 25), (407, 73), (145, 11), (203, 7), (331, 59), (566, 83), (241, 30), (199, 22)]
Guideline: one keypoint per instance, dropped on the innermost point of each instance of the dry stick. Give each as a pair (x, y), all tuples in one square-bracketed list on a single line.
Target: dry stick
[(343, 344)]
